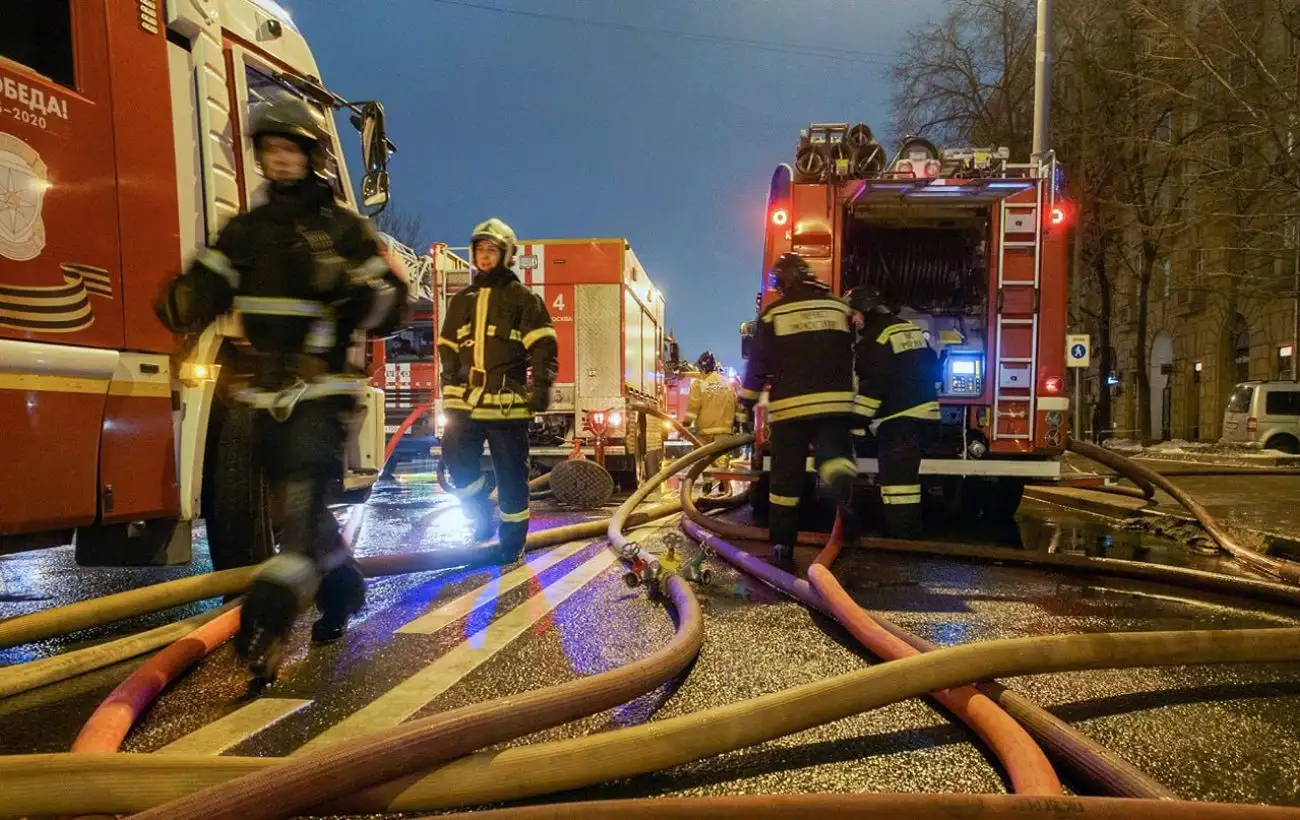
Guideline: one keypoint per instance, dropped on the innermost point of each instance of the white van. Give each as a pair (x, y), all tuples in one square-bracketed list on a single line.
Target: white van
[(1265, 415)]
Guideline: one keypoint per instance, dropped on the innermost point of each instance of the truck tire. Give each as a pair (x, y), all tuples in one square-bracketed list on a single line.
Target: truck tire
[(236, 497)]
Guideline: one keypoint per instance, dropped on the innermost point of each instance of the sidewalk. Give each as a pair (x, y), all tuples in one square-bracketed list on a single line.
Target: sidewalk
[(1263, 507), (1198, 452)]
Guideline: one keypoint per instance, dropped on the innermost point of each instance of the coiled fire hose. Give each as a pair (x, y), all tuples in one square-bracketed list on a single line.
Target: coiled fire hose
[(336, 771)]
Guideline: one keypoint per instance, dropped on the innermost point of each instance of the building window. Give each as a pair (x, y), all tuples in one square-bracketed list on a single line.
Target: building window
[(38, 34), (1168, 277)]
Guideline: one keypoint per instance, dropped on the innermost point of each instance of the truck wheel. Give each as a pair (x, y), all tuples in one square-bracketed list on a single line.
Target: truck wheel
[(236, 498)]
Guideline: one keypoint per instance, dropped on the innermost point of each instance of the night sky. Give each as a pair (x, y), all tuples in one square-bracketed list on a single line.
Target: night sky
[(653, 122)]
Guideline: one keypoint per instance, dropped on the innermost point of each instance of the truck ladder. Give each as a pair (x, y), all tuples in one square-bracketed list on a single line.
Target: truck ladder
[(1019, 259)]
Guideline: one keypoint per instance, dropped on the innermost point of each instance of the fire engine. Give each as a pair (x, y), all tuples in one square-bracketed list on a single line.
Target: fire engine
[(609, 320), (123, 150), (973, 248), (405, 365)]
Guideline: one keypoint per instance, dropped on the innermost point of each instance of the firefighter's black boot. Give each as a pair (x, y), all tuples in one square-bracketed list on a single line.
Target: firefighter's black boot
[(342, 594), (904, 521), (783, 558), (267, 616), (479, 510)]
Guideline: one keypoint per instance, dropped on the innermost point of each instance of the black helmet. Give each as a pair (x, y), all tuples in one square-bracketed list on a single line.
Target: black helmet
[(707, 363), (865, 299), (790, 270), (288, 118)]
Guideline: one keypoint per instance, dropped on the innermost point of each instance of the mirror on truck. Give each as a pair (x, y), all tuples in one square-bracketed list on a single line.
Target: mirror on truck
[(375, 150)]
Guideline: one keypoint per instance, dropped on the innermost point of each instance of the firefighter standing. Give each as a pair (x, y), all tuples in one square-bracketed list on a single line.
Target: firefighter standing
[(897, 372), (494, 331), (803, 349), (711, 406), (305, 274)]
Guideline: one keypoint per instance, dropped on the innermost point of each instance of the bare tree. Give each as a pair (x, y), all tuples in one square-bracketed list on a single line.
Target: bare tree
[(1247, 58), (404, 226), (970, 77)]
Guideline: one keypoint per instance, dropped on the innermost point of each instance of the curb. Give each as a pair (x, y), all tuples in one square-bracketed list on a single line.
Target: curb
[(1118, 507)]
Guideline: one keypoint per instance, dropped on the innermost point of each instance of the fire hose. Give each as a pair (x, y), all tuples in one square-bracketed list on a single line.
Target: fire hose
[(99, 783), (911, 806), (1274, 567), (577, 762), (334, 772), (1085, 757)]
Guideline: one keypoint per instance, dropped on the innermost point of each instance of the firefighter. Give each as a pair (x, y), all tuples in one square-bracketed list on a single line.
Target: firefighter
[(305, 273), (803, 350), (711, 407), (897, 374), (495, 330)]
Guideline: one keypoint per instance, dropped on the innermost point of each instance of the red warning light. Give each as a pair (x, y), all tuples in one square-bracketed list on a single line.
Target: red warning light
[(1058, 216), (1053, 385), (780, 216)]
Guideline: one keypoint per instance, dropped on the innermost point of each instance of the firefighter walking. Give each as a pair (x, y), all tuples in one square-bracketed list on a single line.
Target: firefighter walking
[(711, 405), (305, 273), (897, 372), (494, 332), (803, 351)]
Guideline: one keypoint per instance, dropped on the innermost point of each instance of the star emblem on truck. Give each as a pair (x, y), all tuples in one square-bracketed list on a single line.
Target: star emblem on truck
[(23, 184)]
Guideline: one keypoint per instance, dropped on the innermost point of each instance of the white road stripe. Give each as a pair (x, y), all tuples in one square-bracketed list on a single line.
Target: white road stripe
[(235, 727), (412, 694), (456, 609)]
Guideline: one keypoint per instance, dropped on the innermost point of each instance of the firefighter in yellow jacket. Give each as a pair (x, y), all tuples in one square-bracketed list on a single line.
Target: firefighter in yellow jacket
[(495, 332), (711, 407)]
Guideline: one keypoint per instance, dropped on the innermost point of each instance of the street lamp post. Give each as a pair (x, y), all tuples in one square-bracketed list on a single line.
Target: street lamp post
[(1042, 79)]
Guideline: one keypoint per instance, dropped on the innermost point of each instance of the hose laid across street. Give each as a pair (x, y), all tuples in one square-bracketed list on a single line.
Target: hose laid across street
[(545, 768), (59, 784), (910, 806), (336, 771), (1025, 764), (1088, 759), (1288, 571)]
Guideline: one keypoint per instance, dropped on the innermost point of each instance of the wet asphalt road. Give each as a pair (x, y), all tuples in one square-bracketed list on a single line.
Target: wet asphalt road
[(1211, 733)]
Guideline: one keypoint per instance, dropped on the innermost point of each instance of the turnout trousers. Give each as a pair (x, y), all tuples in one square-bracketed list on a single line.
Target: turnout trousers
[(832, 451), (900, 443), (300, 455), (462, 447)]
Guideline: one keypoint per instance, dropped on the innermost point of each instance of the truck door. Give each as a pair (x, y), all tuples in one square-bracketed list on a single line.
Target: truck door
[(61, 320)]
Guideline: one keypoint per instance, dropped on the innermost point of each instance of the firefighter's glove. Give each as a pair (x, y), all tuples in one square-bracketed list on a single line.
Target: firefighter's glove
[(540, 400)]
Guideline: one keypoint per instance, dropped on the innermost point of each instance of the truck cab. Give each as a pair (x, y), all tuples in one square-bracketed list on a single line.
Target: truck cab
[(123, 144), (970, 247)]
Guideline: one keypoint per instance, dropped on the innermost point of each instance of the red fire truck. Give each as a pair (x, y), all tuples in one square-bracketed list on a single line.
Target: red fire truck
[(609, 320), (973, 248), (122, 150)]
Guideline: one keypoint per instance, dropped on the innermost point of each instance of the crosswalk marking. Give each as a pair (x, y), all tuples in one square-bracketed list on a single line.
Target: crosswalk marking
[(236, 727), (412, 694), (481, 596)]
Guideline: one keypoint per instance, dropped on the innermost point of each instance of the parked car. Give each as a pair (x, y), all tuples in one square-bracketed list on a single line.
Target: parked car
[(1264, 414)]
